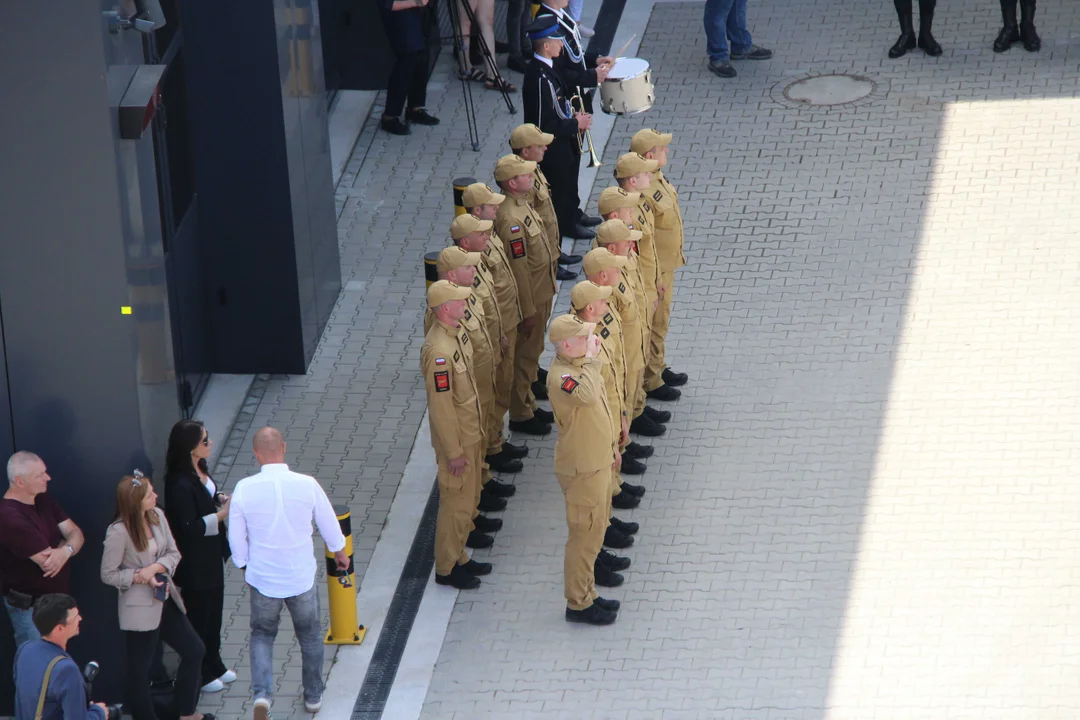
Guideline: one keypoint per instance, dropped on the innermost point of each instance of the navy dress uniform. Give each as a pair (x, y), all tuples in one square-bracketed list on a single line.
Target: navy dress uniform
[(574, 65)]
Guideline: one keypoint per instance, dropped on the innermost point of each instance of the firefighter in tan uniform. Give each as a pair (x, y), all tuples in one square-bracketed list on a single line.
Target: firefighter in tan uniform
[(531, 143), (456, 432), (475, 233), (459, 267), (653, 145), (533, 264), (586, 454), (634, 177)]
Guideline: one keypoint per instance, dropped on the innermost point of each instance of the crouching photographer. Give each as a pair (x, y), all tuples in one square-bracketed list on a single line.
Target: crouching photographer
[(48, 683)]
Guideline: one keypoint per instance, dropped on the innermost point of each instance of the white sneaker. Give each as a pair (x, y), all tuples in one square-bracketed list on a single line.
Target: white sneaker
[(262, 709), (312, 707), (586, 31), (213, 686), (228, 677)]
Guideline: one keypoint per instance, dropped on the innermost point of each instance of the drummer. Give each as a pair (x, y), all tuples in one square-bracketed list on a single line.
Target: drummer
[(576, 69)]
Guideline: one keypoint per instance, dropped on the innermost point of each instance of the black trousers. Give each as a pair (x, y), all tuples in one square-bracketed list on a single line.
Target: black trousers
[(177, 633), (561, 164), (204, 614), (408, 80)]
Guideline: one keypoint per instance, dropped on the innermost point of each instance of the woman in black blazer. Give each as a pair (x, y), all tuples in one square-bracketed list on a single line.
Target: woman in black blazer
[(197, 514)]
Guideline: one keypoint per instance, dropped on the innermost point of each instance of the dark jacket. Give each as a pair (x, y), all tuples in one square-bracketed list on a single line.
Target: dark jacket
[(202, 556), (546, 97), (576, 67)]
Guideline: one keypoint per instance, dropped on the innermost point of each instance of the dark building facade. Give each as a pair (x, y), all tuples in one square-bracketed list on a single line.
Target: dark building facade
[(166, 212)]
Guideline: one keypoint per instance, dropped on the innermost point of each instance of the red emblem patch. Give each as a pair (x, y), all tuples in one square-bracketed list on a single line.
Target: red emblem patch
[(569, 384), (442, 381), (517, 249)]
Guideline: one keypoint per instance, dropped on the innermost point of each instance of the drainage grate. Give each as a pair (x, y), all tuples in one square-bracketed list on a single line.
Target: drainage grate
[(399, 619)]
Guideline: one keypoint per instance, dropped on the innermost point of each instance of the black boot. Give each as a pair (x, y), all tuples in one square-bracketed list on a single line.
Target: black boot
[(1010, 33), (615, 539), (907, 40), (459, 578), (611, 561), (926, 19), (539, 390), (605, 576), (1030, 38), (623, 526)]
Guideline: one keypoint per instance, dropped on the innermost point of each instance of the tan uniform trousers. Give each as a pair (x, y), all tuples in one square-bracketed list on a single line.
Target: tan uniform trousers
[(526, 361), (457, 503), (485, 391), (661, 320), (504, 381), (588, 507)]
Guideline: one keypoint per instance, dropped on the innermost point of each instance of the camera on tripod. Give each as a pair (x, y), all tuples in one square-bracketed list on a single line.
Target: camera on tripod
[(90, 671)]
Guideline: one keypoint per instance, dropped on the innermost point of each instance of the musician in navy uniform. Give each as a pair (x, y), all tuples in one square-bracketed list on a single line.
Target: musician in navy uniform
[(577, 67), (546, 94), (404, 22)]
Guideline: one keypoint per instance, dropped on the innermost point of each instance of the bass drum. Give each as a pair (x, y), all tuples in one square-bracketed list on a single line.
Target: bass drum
[(628, 89)]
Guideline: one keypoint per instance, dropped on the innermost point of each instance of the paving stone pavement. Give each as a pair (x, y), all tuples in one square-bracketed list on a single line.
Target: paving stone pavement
[(864, 505)]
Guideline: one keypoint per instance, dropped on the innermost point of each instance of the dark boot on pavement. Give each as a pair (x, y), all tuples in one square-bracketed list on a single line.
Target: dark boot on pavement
[(639, 452), (1010, 32), (533, 426), (484, 524), (630, 466), (926, 20), (624, 501), (660, 416), (478, 540), (907, 40), (459, 578), (615, 539), (665, 393), (674, 379), (592, 615), (645, 425), (605, 577), (612, 561), (626, 527), (1028, 36)]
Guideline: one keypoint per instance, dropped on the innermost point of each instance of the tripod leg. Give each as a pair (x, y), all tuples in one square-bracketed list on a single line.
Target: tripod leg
[(489, 60), (466, 88)]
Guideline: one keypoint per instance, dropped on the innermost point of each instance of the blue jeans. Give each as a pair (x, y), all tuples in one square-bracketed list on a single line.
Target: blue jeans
[(265, 615), (22, 622), (574, 9), (725, 19)]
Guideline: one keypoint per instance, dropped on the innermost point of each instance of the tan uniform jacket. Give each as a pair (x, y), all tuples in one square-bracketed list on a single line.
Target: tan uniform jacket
[(611, 335), (631, 278), (529, 252), (646, 247), (506, 289), (453, 403), (668, 234), (541, 200), (475, 325), (626, 303), (484, 288), (586, 441)]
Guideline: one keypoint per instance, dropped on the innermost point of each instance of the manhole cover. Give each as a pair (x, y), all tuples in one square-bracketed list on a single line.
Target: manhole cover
[(829, 89)]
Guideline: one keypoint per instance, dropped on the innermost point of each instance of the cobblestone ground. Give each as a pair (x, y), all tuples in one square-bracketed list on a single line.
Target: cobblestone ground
[(864, 505), (352, 419)]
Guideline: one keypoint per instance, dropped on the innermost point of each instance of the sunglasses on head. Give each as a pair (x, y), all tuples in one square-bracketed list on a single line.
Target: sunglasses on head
[(136, 478)]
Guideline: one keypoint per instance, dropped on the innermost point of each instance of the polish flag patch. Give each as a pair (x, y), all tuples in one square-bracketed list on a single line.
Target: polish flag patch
[(440, 361)]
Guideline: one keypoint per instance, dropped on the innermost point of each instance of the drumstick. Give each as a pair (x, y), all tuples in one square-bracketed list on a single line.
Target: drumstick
[(616, 55)]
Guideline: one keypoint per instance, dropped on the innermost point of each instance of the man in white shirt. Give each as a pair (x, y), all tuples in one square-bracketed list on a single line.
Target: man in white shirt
[(270, 536)]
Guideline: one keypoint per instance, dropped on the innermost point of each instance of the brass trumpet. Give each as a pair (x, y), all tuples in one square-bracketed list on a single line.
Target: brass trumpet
[(584, 138)]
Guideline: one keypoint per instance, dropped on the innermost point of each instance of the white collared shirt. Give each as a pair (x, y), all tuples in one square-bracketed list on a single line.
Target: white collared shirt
[(270, 529), (546, 61)]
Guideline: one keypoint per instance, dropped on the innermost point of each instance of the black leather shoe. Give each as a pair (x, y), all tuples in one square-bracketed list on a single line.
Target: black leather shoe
[(515, 451), (630, 466), (660, 416), (394, 126), (612, 561), (500, 489), (664, 392), (590, 220), (624, 501), (672, 378), (484, 524), (478, 540), (532, 426), (539, 390), (639, 452), (606, 577), (645, 425), (504, 463), (1028, 36), (635, 490), (518, 64), (564, 274), (905, 42), (580, 232), (929, 45), (420, 116), (623, 526), (459, 578), (592, 615), (565, 259), (478, 568), (606, 604), (1009, 34), (545, 416), (490, 503), (615, 539)]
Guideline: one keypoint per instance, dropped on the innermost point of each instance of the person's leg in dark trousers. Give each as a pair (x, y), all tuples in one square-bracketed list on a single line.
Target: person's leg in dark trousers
[(418, 81), (398, 86), (177, 633), (158, 672), (140, 652), (560, 165), (204, 614)]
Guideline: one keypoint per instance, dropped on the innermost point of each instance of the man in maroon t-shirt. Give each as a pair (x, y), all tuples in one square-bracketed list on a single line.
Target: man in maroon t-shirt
[(37, 538)]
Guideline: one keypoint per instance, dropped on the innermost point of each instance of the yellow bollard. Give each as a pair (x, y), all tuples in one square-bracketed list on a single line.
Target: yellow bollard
[(431, 272), (344, 629), (459, 188)]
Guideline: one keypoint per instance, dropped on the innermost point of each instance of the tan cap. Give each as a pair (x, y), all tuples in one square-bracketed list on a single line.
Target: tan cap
[(615, 231), (454, 257), (465, 224), (615, 198), (510, 166), (586, 292), (645, 140), (601, 258), (528, 135), (631, 164), (444, 291), (565, 327), (480, 194)]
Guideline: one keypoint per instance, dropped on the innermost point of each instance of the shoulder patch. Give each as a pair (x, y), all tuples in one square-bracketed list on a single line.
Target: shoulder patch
[(608, 319), (605, 333), (457, 356), (622, 287), (441, 361), (569, 384), (517, 248), (515, 228), (442, 381), (464, 338), (528, 221), (657, 196)]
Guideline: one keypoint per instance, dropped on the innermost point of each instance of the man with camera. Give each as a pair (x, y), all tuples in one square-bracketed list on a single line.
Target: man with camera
[(48, 684)]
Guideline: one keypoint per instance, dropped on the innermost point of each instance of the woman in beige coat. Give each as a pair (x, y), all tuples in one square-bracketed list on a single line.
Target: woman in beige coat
[(139, 560)]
